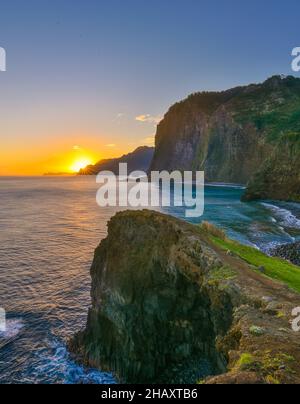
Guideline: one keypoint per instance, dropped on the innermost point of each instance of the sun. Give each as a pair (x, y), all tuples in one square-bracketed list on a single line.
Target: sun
[(80, 164)]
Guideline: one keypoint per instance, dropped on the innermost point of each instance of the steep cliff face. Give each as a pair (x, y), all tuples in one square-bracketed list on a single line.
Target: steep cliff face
[(279, 178), (164, 298), (228, 134)]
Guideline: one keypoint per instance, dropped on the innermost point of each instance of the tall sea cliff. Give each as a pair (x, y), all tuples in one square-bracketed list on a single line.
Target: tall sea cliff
[(231, 134)]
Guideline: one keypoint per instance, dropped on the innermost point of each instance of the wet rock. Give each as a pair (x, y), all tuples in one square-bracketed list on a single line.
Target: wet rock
[(289, 252)]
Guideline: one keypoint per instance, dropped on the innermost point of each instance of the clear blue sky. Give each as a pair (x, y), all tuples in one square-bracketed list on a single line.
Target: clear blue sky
[(86, 69)]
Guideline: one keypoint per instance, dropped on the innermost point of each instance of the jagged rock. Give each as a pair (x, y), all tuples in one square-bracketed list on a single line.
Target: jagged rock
[(290, 252)]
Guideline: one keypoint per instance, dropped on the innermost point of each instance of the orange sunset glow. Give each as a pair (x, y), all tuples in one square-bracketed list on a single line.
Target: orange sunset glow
[(80, 164), (58, 156), (30, 163)]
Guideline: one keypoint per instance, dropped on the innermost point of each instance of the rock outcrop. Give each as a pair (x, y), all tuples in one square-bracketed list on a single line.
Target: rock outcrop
[(165, 298), (228, 134), (289, 252), (138, 160)]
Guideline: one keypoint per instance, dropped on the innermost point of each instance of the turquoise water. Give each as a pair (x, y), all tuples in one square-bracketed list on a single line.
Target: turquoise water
[(260, 224), (49, 228)]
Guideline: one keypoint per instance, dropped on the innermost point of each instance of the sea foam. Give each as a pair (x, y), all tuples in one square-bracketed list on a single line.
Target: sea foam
[(13, 328), (284, 216)]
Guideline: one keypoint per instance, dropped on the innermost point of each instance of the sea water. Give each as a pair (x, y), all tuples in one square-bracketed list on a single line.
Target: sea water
[(49, 228)]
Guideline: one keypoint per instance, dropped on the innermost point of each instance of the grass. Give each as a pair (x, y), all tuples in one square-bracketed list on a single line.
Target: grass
[(221, 274), (267, 364), (275, 268), (246, 362)]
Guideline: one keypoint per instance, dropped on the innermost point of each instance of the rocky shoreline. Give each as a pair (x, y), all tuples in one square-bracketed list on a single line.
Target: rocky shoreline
[(289, 252)]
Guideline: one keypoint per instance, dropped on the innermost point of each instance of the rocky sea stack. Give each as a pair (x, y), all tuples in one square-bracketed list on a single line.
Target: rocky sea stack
[(165, 297)]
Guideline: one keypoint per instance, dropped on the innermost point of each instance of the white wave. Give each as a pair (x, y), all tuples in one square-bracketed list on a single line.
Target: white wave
[(13, 328), (284, 216), (251, 244), (224, 185), (55, 360)]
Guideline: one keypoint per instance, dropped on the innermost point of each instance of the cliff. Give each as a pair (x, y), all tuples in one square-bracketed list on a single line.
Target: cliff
[(167, 297), (139, 159), (279, 177), (228, 134)]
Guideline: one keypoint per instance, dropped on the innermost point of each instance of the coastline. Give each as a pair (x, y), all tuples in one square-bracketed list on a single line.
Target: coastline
[(225, 185)]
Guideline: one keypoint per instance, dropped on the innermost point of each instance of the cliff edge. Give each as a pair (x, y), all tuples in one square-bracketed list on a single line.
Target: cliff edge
[(166, 298)]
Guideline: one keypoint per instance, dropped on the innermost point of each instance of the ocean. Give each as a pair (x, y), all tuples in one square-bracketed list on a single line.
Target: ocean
[(49, 228)]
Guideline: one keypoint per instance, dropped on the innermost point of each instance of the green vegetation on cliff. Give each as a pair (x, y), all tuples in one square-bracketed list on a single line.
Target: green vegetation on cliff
[(273, 107), (232, 134), (279, 177), (274, 268)]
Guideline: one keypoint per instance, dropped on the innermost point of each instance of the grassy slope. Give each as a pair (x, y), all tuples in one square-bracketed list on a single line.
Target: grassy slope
[(275, 268)]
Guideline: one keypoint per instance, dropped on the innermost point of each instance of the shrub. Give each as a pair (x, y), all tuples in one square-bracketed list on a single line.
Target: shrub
[(213, 230)]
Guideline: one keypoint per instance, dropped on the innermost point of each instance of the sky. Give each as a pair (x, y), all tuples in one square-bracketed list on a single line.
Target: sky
[(90, 79)]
